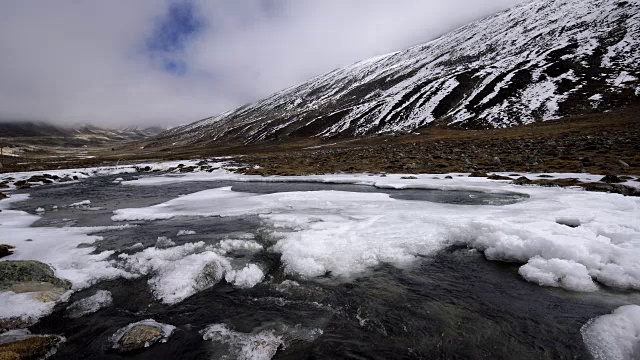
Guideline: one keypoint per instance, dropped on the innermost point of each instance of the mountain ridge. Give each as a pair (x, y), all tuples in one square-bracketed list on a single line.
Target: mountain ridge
[(537, 61)]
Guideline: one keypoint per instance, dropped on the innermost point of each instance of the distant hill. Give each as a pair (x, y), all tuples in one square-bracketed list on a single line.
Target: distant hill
[(40, 133)]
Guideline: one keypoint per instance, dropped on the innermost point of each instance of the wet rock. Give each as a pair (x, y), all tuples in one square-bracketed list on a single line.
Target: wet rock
[(478, 174), (3, 196), (498, 177), (20, 344), (28, 276), (409, 178), (611, 179), (448, 177), (6, 250), (522, 180), (545, 176), (141, 335), (91, 304)]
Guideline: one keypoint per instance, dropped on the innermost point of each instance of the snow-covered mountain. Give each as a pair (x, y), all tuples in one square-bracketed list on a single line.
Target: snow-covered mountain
[(538, 61)]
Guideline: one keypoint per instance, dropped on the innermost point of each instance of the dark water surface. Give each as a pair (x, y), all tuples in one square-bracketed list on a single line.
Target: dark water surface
[(454, 305)]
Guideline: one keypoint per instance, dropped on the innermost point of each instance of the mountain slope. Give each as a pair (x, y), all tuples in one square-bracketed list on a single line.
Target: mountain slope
[(537, 61)]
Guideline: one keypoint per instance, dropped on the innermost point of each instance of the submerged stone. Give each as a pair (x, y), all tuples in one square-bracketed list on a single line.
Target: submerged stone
[(141, 335)]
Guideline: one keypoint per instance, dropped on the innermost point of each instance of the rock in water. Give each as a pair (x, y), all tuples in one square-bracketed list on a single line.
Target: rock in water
[(28, 276), (6, 250), (20, 344), (141, 335), (522, 180), (611, 179)]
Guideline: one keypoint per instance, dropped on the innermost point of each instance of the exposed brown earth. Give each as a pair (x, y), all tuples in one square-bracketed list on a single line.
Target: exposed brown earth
[(605, 143)]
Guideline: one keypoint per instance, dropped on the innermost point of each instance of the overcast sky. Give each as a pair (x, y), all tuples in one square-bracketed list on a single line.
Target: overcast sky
[(144, 62)]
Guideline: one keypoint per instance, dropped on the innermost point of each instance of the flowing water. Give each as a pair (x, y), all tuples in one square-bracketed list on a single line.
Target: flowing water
[(454, 305)]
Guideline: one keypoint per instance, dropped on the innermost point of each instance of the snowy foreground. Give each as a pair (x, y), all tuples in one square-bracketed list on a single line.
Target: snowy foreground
[(563, 237)]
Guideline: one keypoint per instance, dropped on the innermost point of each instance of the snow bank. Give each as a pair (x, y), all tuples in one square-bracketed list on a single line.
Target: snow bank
[(615, 336), (57, 247)]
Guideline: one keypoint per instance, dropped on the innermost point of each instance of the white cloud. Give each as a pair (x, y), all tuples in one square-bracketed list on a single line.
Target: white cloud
[(85, 62)]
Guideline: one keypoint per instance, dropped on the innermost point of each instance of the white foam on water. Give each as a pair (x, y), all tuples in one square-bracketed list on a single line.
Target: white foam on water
[(614, 336)]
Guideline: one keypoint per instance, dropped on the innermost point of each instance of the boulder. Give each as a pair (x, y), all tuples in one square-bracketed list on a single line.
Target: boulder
[(141, 335), (29, 276)]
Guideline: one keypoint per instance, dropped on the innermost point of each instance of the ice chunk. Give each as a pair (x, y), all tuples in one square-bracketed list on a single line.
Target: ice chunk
[(261, 343), (559, 273), (81, 203), (178, 272), (248, 277), (229, 245), (615, 336), (185, 232), (91, 304), (260, 346)]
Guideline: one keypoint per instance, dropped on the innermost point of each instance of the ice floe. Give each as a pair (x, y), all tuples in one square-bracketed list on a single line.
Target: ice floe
[(346, 234)]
